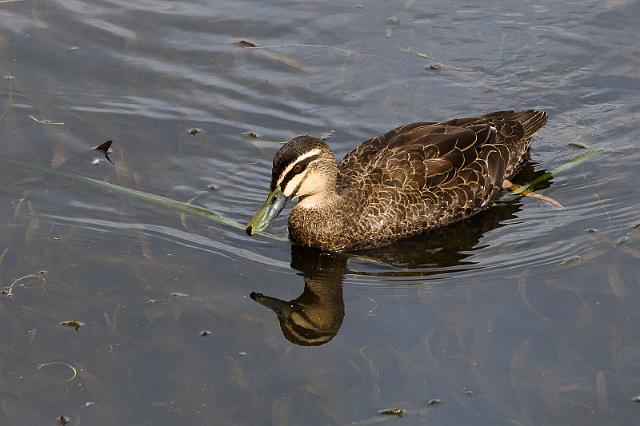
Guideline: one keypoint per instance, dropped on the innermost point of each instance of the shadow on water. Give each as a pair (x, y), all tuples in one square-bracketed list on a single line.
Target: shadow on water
[(315, 317)]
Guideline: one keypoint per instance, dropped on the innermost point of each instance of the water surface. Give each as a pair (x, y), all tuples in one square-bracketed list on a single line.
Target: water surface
[(524, 314)]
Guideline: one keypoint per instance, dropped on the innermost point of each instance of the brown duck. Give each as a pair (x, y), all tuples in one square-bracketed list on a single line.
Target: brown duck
[(413, 178)]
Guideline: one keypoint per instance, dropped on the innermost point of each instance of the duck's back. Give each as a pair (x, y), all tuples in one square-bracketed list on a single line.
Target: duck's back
[(425, 175)]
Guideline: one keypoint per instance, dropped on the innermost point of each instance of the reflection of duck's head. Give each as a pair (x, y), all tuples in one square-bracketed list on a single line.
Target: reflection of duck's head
[(314, 317), (309, 320)]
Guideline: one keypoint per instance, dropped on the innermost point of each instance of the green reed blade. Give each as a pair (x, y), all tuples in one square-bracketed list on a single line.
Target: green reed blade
[(140, 195), (511, 195)]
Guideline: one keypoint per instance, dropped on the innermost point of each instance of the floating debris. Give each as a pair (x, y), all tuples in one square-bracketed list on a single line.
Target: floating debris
[(64, 364), (268, 52), (205, 333), (104, 148), (9, 77), (434, 401), (468, 392), (63, 420), (591, 231), (179, 294), (73, 323), (636, 399), (89, 403), (194, 131), (243, 353), (245, 43), (327, 135), (251, 135), (392, 412), (8, 291), (579, 145), (211, 188), (49, 122), (95, 162), (435, 67)]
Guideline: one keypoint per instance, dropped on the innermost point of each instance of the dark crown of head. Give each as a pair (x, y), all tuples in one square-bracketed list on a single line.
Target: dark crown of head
[(294, 149)]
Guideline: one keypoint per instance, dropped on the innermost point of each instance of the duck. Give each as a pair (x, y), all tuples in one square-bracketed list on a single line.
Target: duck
[(399, 184)]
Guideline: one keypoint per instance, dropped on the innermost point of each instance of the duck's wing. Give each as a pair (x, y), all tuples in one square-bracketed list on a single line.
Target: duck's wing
[(513, 133), (444, 147), (418, 156), (423, 176)]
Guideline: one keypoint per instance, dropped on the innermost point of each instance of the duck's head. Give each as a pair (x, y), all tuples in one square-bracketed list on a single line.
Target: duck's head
[(304, 167)]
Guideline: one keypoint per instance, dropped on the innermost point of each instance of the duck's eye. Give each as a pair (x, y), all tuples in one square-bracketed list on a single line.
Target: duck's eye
[(297, 168)]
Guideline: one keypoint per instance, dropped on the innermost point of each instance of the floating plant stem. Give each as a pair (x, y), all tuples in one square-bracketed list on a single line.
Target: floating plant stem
[(140, 195), (512, 195)]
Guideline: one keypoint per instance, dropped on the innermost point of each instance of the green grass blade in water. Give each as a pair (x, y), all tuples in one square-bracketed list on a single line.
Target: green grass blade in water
[(136, 194), (512, 195)]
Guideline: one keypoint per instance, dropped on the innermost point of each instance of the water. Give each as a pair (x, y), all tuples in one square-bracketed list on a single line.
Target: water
[(523, 315)]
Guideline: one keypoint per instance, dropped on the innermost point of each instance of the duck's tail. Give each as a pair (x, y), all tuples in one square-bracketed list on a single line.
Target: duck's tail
[(531, 120)]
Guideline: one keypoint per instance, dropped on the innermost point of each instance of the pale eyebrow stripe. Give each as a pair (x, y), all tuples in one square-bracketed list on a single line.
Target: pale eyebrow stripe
[(304, 156), (291, 176)]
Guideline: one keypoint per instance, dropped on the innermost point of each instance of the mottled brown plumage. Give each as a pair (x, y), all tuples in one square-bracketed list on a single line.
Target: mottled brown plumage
[(413, 178)]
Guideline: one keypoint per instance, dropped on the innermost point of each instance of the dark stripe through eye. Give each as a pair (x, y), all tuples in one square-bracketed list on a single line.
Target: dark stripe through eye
[(296, 170)]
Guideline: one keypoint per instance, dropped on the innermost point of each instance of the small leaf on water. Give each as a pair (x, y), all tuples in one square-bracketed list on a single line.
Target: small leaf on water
[(104, 146), (392, 412), (73, 323), (244, 43), (579, 145)]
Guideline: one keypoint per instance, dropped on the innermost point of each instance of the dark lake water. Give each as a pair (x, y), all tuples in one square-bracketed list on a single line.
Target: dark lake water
[(525, 314)]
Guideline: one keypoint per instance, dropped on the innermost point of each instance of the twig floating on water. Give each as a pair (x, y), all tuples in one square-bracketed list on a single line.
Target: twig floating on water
[(48, 122), (392, 412)]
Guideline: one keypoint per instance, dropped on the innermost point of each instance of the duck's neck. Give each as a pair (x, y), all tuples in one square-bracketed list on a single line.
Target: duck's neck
[(318, 221), (320, 201)]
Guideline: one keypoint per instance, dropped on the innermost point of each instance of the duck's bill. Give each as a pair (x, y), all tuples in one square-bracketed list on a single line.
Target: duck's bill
[(278, 306), (269, 210)]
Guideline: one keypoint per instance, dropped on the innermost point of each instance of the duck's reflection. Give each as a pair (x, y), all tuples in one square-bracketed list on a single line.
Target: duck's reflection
[(315, 317)]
